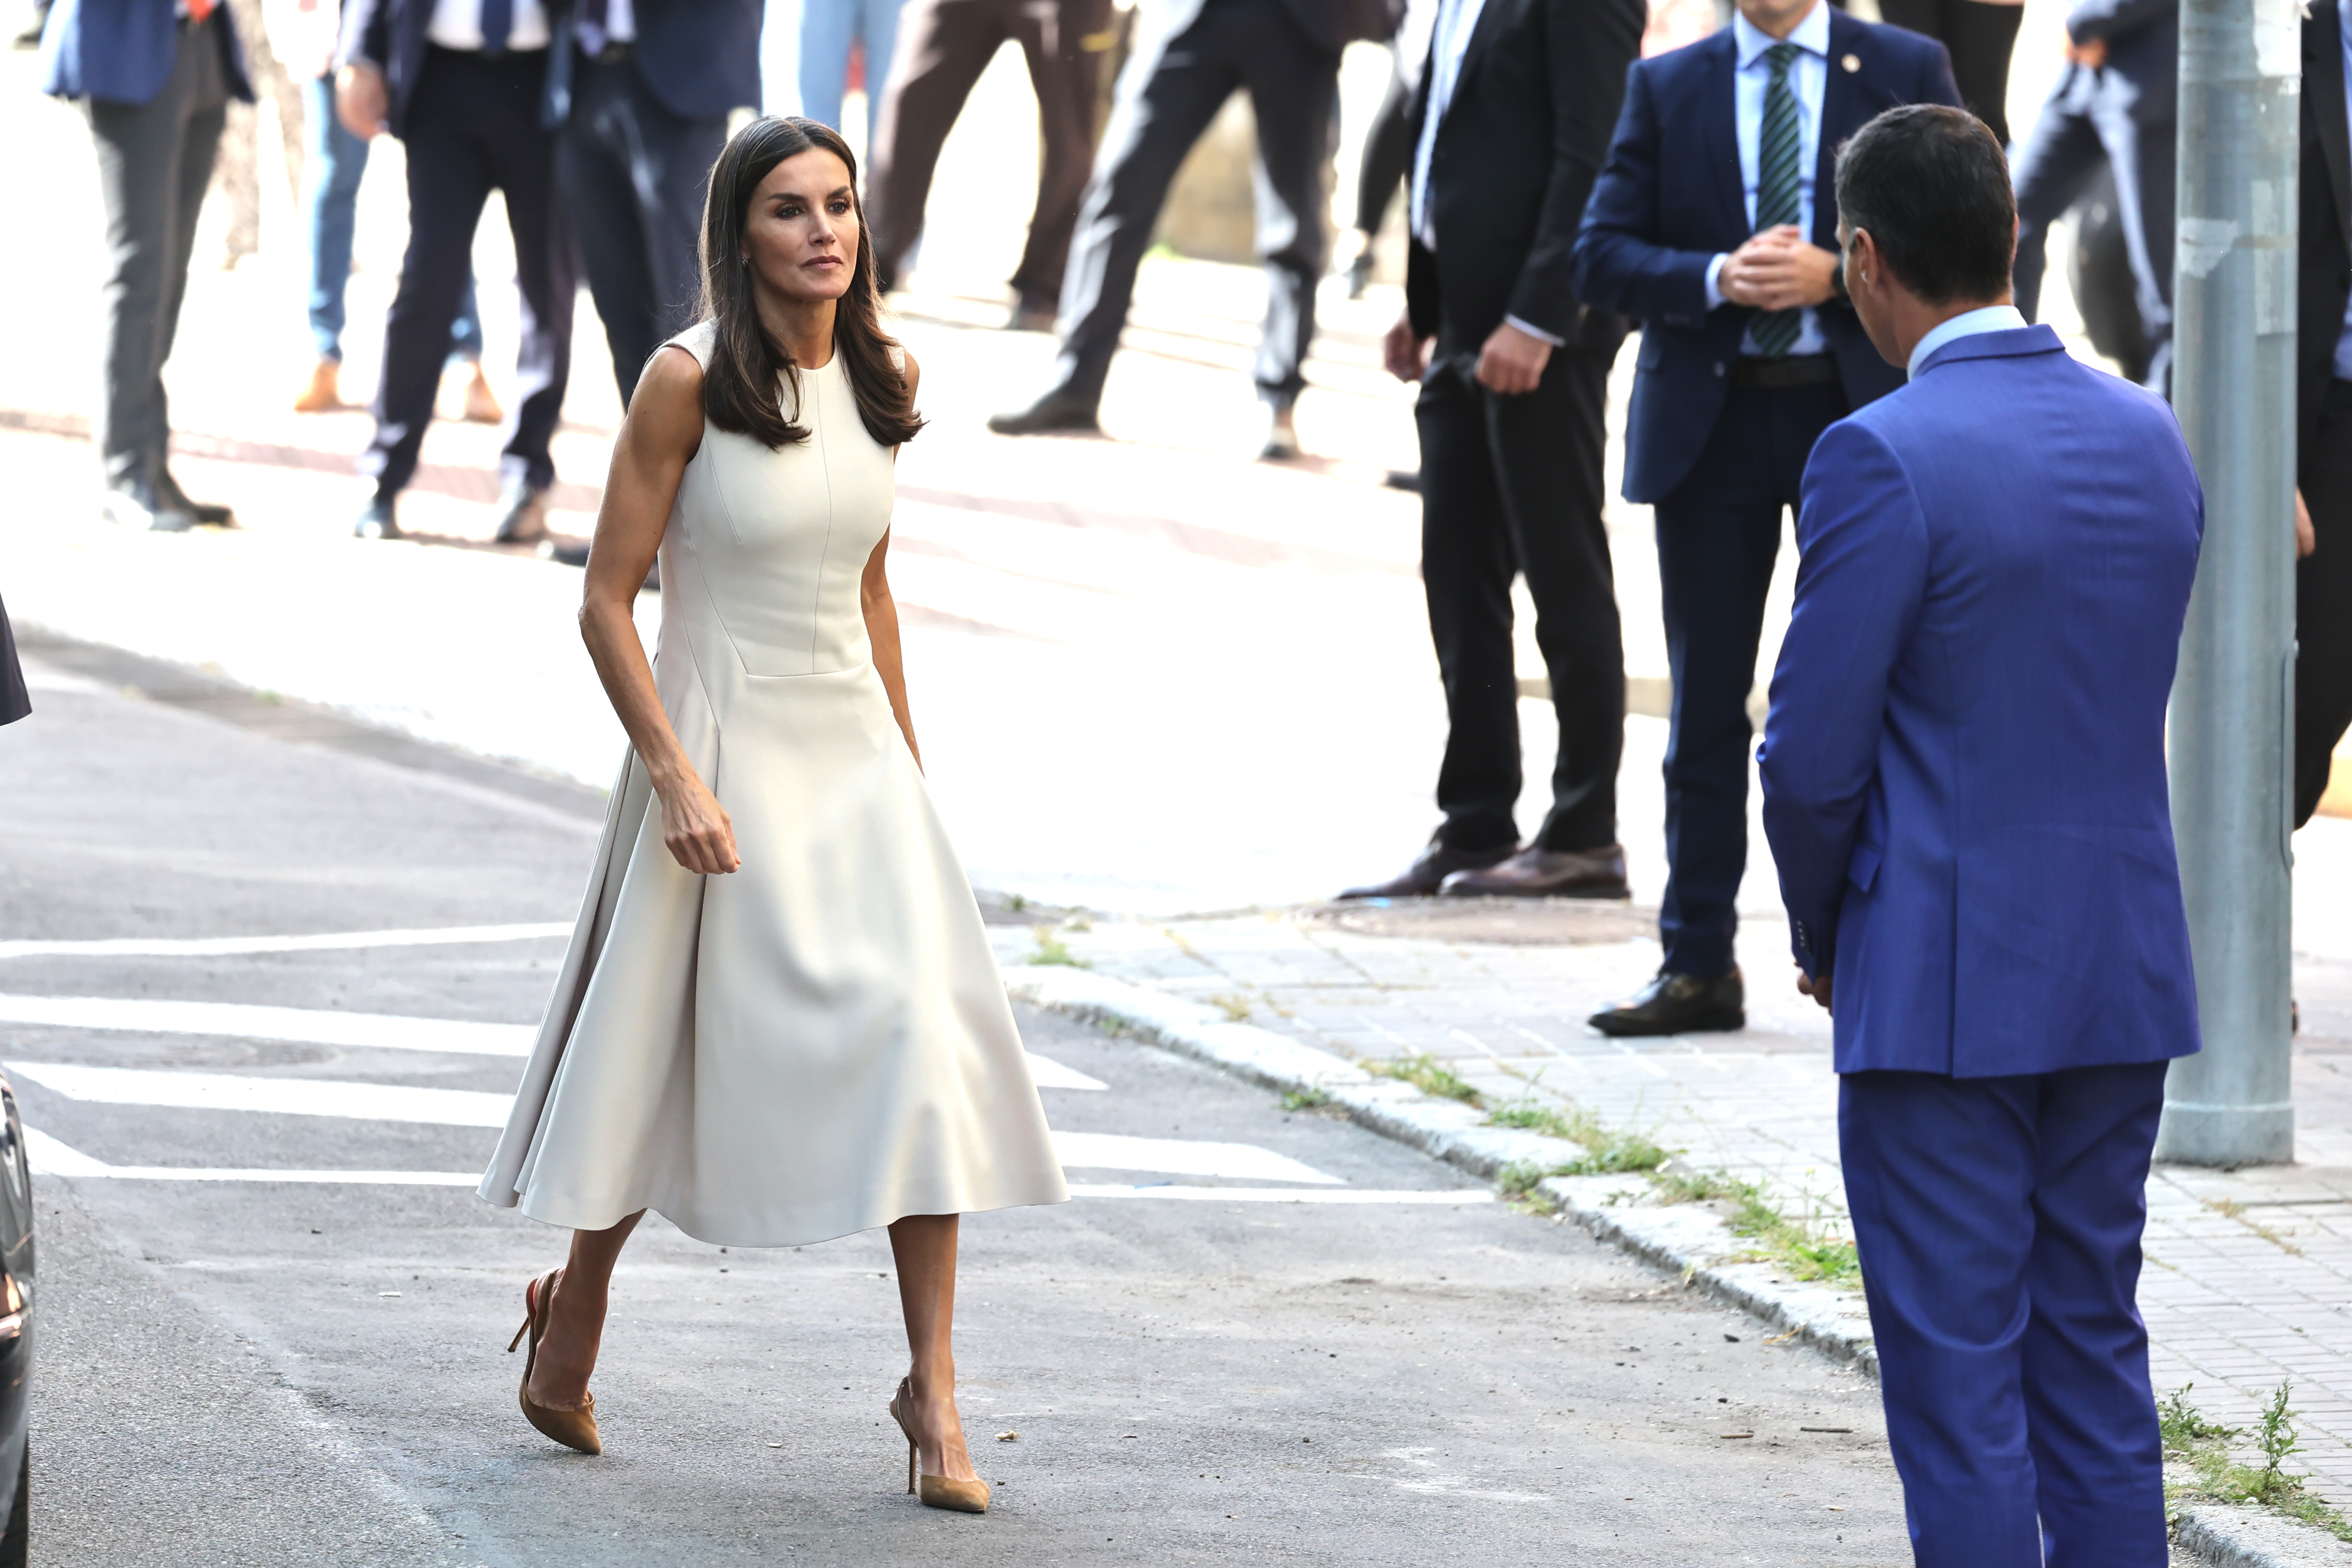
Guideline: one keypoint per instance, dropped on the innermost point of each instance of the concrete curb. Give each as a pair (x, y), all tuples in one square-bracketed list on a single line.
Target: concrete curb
[(1689, 1240)]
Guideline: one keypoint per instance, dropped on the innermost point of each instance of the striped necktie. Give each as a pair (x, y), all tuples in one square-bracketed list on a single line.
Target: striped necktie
[(1778, 157)]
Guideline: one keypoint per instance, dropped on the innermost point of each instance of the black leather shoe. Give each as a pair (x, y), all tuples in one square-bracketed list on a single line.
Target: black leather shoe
[(1427, 874), (1032, 316), (1679, 1004), (522, 514), (375, 521), (1546, 874), (1062, 412), (141, 507), (210, 513)]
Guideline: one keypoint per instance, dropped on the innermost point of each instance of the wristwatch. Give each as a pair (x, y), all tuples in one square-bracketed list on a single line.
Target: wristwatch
[(1837, 279)]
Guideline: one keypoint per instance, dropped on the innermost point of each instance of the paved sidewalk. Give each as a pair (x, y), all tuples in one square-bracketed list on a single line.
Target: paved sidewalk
[(2249, 1276)]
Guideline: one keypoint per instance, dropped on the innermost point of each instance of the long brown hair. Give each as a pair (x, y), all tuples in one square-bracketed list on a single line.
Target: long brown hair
[(740, 389)]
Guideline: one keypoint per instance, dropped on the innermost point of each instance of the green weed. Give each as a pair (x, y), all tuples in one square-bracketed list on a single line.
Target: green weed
[(1309, 1098), (1052, 949), (2201, 1448), (1427, 1074)]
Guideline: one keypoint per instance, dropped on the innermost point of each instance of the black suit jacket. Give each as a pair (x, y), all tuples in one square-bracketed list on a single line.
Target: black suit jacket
[(1671, 200), (1522, 142), (700, 58), (2325, 243), (1334, 24)]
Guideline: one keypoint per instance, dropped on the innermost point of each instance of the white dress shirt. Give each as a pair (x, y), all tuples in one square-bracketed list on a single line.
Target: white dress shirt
[(1450, 37), (1808, 78), (1967, 324), (457, 25), (620, 28)]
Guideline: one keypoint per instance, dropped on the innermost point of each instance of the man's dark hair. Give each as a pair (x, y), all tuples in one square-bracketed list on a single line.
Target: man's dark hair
[(1931, 184)]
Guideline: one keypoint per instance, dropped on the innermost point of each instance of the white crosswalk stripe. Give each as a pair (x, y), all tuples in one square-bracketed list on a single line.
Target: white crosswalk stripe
[(334, 1027), (472, 1108)]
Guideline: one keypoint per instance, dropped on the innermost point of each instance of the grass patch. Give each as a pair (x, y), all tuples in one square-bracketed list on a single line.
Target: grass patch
[(1804, 1248), (1430, 1075), (1309, 1098), (1052, 949), (1235, 1009), (2201, 1448), (1606, 1154)]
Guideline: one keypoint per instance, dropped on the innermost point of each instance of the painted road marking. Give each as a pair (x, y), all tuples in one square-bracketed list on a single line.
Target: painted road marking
[(215, 946), (276, 1096), (51, 1158), (1182, 1157), (472, 1108), (332, 1027), (311, 1025)]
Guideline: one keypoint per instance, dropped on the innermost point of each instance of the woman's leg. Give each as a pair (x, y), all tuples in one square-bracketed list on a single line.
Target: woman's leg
[(925, 1247), (575, 1321)]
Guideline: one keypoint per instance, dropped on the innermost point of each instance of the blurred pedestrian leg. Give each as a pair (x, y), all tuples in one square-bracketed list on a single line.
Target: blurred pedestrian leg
[(645, 118), (828, 30), (1387, 146), (1287, 54), (336, 161), (1981, 34), (944, 45), (2117, 101), (157, 87), (463, 85)]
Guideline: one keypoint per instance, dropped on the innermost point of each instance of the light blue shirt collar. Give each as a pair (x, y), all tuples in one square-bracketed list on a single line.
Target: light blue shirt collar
[(1967, 324), (1811, 35)]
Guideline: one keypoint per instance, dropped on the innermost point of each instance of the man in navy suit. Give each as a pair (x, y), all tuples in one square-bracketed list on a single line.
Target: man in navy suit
[(158, 79), (644, 91), (464, 85), (1714, 224), (1964, 786)]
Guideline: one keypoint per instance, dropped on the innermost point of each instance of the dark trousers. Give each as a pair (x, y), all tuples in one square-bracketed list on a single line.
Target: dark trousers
[(2323, 602), (473, 127), (1388, 151), (943, 46), (1981, 36), (633, 177), (154, 160), (1718, 533), (2085, 122), (1999, 1222), (1164, 104), (1512, 485)]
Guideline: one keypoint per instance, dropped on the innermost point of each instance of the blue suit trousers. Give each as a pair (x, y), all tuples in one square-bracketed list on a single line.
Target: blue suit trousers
[(1999, 1221)]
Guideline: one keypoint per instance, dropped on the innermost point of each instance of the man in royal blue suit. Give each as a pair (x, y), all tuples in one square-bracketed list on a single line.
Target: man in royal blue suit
[(1714, 224), (157, 79), (1964, 786)]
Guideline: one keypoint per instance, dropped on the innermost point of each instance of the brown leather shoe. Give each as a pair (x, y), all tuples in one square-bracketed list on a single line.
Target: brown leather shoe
[(1424, 876), (1679, 1004), (1547, 874)]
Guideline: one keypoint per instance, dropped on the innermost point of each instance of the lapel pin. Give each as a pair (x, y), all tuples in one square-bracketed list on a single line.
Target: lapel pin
[(1852, 63)]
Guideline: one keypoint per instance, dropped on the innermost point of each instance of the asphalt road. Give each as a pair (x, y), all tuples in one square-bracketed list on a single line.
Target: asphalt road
[(239, 1370)]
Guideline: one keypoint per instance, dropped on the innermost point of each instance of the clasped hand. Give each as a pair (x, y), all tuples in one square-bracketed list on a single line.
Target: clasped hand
[(1511, 361), (696, 828), (1778, 270)]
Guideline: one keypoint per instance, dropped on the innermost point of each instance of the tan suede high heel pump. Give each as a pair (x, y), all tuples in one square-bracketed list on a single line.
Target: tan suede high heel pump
[(572, 1429), (937, 1491)]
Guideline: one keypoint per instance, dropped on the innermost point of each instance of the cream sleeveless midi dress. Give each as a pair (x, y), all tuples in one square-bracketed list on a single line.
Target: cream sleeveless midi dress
[(819, 1042)]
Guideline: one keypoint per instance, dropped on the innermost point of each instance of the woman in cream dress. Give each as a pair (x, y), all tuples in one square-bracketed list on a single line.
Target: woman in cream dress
[(778, 1021)]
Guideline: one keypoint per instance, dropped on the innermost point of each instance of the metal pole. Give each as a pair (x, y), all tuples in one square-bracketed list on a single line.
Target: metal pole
[(2232, 705)]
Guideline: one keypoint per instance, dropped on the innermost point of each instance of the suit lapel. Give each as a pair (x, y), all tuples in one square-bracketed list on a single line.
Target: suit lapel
[(1493, 20), (1842, 116), (1720, 131), (2323, 93)]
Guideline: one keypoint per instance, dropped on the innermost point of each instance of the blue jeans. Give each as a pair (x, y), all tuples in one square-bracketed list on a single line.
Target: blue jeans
[(827, 29), (336, 161)]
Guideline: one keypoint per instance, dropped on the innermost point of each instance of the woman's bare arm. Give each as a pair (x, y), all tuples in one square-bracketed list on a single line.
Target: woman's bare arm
[(882, 631), (659, 439)]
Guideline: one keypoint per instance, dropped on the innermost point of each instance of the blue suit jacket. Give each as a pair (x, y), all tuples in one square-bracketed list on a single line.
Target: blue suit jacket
[(1669, 200), (122, 50), (1964, 777)]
